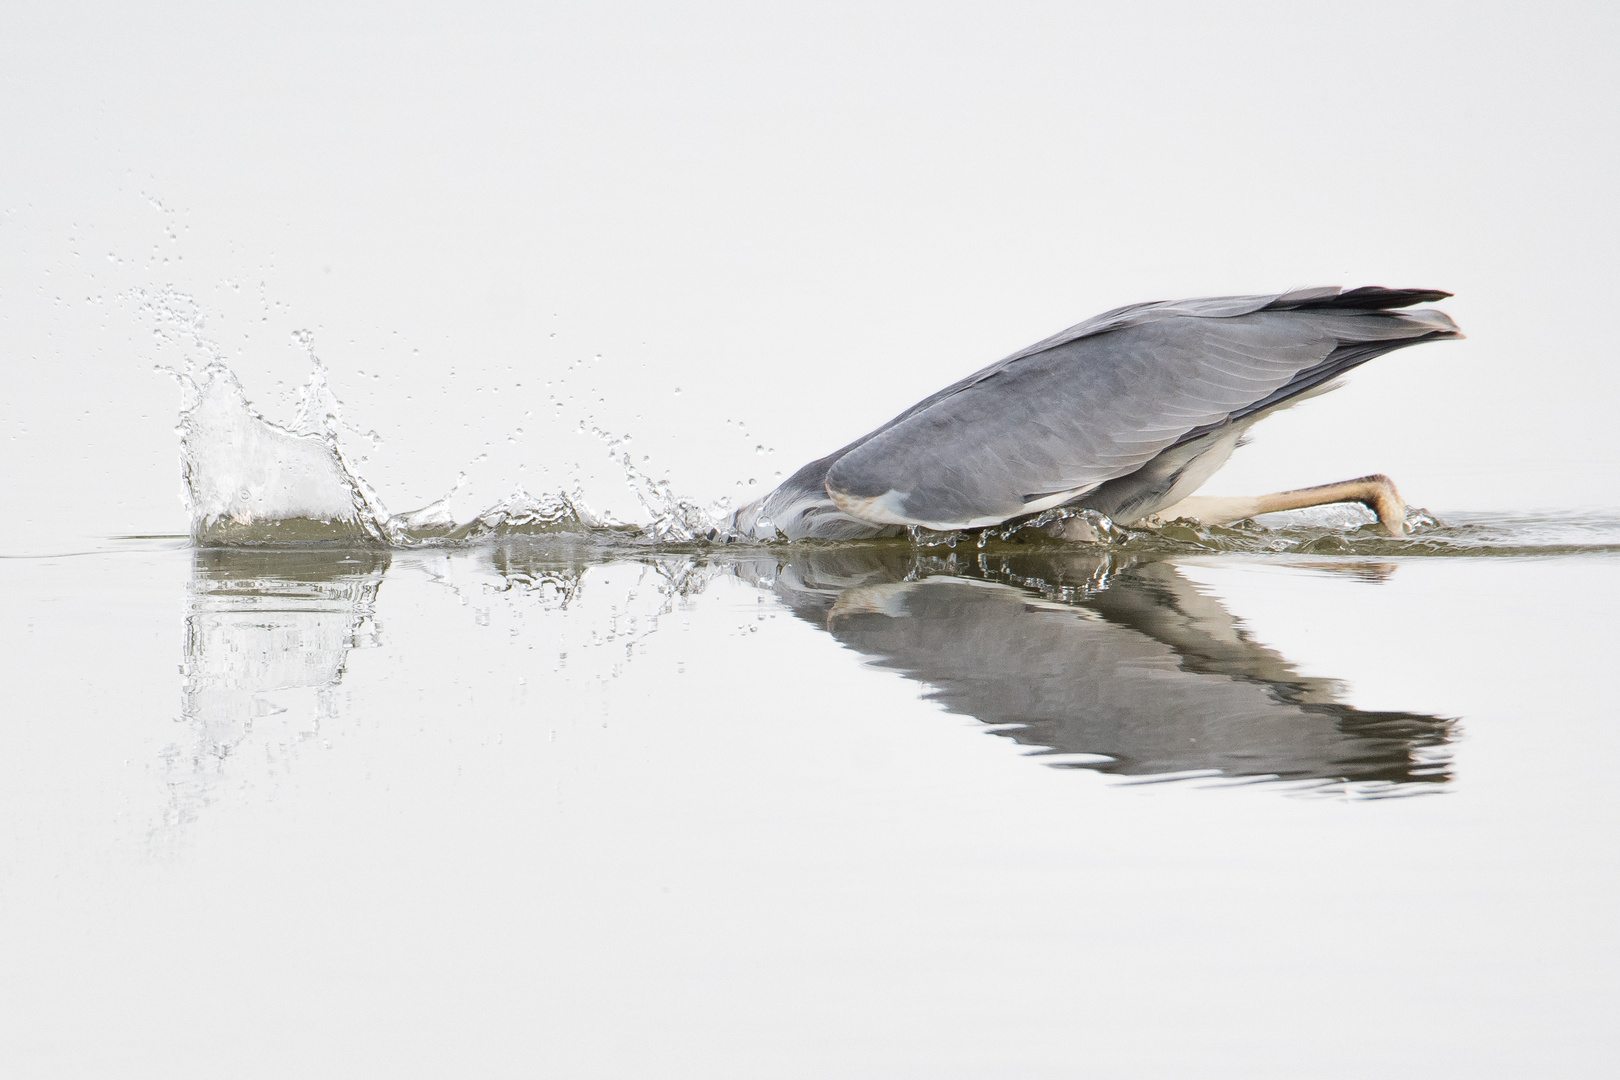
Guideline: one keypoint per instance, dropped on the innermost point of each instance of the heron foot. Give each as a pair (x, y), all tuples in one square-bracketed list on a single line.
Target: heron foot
[(1382, 499)]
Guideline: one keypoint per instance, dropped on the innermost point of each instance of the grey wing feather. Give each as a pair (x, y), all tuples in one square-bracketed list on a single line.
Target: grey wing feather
[(1099, 400)]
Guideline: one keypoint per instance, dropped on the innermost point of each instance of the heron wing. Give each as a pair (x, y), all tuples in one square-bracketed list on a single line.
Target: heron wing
[(1056, 420)]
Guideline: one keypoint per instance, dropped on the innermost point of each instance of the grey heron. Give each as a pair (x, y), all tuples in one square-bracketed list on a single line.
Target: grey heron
[(1127, 414)]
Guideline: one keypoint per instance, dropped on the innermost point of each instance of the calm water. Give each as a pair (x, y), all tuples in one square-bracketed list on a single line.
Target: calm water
[(1287, 802)]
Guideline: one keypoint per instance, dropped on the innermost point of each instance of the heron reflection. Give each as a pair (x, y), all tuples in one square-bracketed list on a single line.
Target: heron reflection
[(1078, 651)]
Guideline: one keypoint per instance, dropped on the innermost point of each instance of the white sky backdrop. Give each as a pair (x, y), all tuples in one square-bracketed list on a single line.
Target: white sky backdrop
[(805, 217)]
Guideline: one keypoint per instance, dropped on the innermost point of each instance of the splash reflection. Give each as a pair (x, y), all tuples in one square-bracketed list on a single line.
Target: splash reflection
[(267, 635), (1124, 665)]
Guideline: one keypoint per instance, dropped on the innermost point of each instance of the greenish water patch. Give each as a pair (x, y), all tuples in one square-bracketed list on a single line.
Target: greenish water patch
[(1331, 534)]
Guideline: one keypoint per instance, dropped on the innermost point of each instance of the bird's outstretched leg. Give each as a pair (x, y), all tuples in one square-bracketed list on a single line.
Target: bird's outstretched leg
[(1376, 492)]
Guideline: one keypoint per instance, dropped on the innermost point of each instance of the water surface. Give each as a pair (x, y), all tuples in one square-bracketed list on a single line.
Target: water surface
[(1171, 806)]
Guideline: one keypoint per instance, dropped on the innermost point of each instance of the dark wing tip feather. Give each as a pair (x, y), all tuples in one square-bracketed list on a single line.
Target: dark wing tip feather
[(1366, 298)]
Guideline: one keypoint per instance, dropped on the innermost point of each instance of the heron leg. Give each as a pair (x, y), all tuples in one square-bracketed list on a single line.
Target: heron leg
[(1376, 492)]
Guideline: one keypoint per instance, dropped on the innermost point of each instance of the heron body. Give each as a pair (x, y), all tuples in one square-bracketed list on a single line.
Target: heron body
[(1128, 413)]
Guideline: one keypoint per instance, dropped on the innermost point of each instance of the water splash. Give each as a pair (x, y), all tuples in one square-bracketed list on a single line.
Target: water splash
[(522, 514), (248, 480), (251, 481)]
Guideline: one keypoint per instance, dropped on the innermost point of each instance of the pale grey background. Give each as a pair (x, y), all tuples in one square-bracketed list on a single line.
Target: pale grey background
[(804, 218)]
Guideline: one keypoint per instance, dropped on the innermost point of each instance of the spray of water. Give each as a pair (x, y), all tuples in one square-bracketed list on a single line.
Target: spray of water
[(251, 481)]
